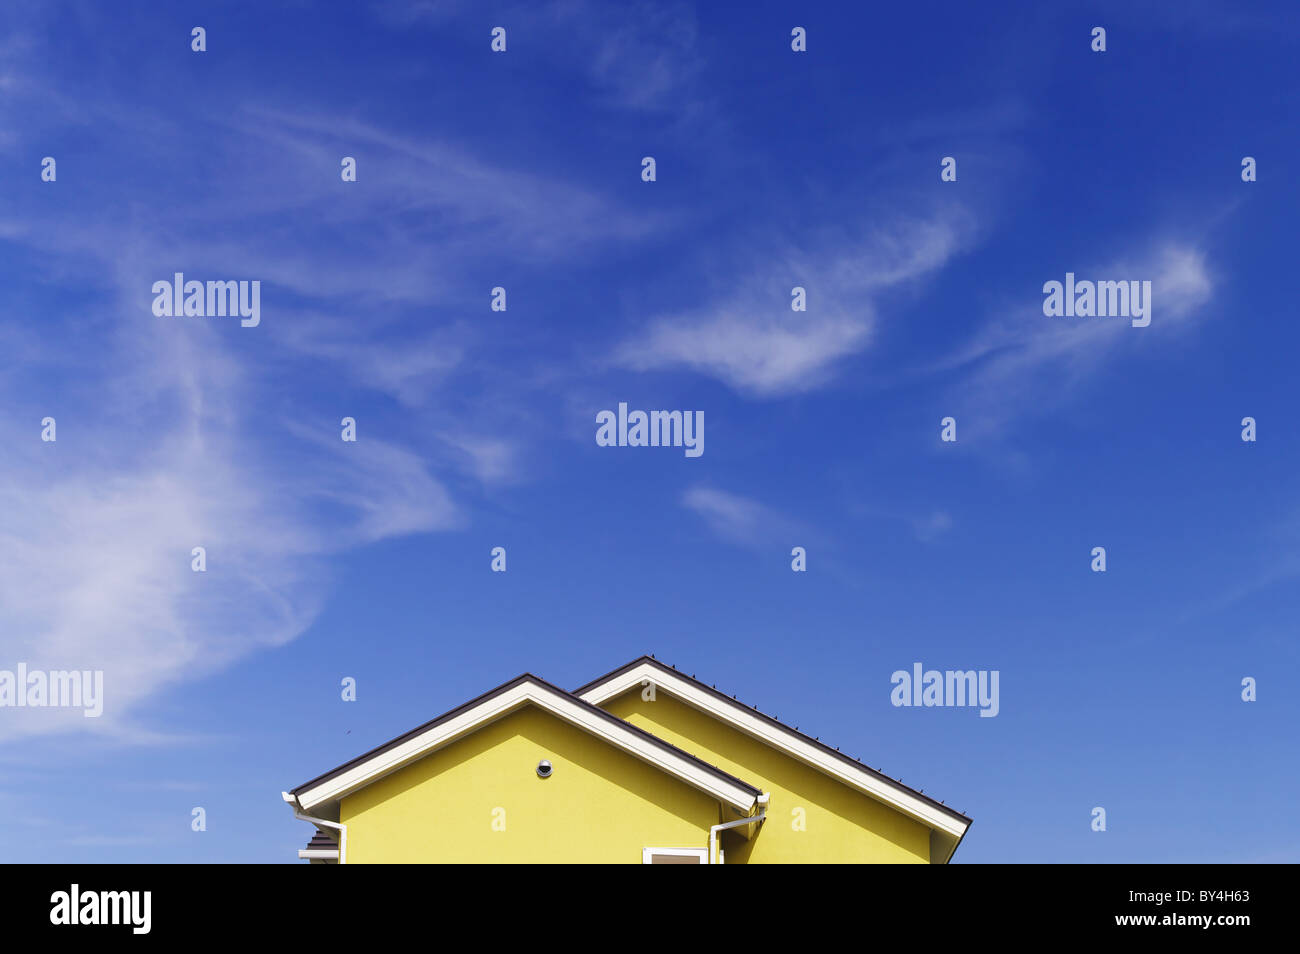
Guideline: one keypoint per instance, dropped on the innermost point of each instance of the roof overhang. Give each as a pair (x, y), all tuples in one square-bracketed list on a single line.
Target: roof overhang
[(948, 825), (328, 789)]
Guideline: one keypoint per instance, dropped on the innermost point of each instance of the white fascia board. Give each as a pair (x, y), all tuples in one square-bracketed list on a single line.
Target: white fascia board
[(783, 739), (324, 854), (621, 736)]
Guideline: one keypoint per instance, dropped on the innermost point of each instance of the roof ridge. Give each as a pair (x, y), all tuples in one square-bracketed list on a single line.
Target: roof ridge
[(753, 709), (510, 684)]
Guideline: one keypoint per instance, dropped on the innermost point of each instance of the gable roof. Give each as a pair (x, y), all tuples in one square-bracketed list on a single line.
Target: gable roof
[(934, 814), (502, 701)]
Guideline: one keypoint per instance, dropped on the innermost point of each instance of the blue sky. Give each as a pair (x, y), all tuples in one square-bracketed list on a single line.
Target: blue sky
[(476, 428)]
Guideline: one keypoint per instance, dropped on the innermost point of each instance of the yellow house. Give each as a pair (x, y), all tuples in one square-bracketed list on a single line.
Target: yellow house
[(645, 764)]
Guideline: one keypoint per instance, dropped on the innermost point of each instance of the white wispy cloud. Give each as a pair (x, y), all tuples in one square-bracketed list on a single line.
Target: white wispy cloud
[(932, 526), (493, 460), (172, 433), (754, 342), (96, 529), (927, 525), (95, 568), (435, 191), (639, 55), (742, 520), (1024, 363)]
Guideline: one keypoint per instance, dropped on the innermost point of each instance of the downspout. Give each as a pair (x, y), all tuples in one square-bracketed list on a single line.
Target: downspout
[(753, 819), (342, 829)]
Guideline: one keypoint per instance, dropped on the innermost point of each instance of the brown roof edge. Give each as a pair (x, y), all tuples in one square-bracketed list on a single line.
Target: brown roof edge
[(723, 697), (504, 687), (322, 842)]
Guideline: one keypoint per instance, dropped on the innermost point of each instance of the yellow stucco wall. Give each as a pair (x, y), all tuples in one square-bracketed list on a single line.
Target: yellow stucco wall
[(842, 825), (599, 805)]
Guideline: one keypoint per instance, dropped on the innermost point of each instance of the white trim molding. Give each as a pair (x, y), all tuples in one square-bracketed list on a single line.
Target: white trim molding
[(784, 739), (529, 690), (319, 854)]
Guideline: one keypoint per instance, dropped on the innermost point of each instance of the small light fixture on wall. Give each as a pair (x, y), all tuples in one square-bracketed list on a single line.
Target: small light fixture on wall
[(544, 769)]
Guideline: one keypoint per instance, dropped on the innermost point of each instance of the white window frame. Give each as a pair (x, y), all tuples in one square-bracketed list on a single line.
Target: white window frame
[(647, 854)]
